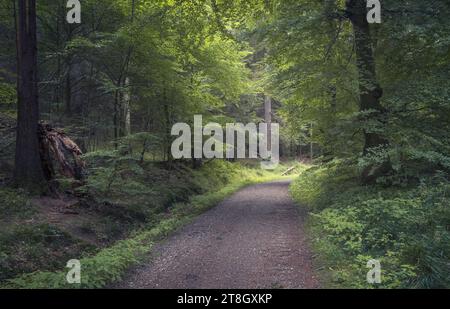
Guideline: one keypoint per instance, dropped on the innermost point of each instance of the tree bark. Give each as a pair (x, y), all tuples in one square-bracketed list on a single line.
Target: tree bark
[(168, 125), (116, 119), (28, 169), (56, 146), (369, 88), (126, 83), (126, 108), (68, 88)]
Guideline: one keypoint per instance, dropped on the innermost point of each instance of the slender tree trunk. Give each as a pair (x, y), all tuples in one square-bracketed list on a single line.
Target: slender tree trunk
[(28, 169), (125, 97), (57, 89), (268, 119), (68, 81), (126, 108), (311, 145), (16, 28), (68, 90), (168, 124), (116, 119)]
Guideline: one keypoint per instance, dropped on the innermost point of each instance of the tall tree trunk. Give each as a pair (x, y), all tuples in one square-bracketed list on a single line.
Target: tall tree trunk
[(57, 89), (16, 29), (116, 118), (68, 80), (168, 124), (68, 89), (370, 90), (28, 169), (125, 95), (311, 145)]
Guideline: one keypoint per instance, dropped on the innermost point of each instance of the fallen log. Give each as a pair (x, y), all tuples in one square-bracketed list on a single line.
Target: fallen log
[(288, 171)]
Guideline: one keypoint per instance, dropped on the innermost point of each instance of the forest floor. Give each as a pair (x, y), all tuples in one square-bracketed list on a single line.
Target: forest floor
[(255, 239), (125, 206)]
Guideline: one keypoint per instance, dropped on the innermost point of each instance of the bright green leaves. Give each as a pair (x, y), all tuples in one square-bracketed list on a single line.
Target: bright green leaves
[(7, 94), (403, 228)]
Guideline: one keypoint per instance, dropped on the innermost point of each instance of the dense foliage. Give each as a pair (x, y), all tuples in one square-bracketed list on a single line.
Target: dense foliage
[(406, 229), (370, 102), (402, 218), (314, 72)]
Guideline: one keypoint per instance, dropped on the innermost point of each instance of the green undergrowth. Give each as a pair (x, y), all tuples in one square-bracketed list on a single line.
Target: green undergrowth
[(161, 198), (28, 247), (25, 243), (406, 228), (130, 189), (14, 203)]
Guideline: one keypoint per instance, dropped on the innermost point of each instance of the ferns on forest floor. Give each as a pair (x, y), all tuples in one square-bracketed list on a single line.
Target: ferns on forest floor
[(405, 228)]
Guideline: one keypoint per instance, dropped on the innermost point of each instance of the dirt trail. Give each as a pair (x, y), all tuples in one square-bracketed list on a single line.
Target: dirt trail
[(254, 239)]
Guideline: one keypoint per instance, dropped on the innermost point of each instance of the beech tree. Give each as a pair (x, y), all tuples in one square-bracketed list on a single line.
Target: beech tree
[(370, 91)]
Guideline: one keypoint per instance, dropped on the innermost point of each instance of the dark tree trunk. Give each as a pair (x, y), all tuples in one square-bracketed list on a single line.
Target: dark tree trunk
[(68, 90), (168, 124), (116, 119), (28, 169), (57, 89), (370, 90)]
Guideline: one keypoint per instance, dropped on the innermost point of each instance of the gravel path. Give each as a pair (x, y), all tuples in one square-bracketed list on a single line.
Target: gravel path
[(254, 239)]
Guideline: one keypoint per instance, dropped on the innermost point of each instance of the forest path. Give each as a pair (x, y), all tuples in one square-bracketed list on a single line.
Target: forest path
[(255, 239)]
